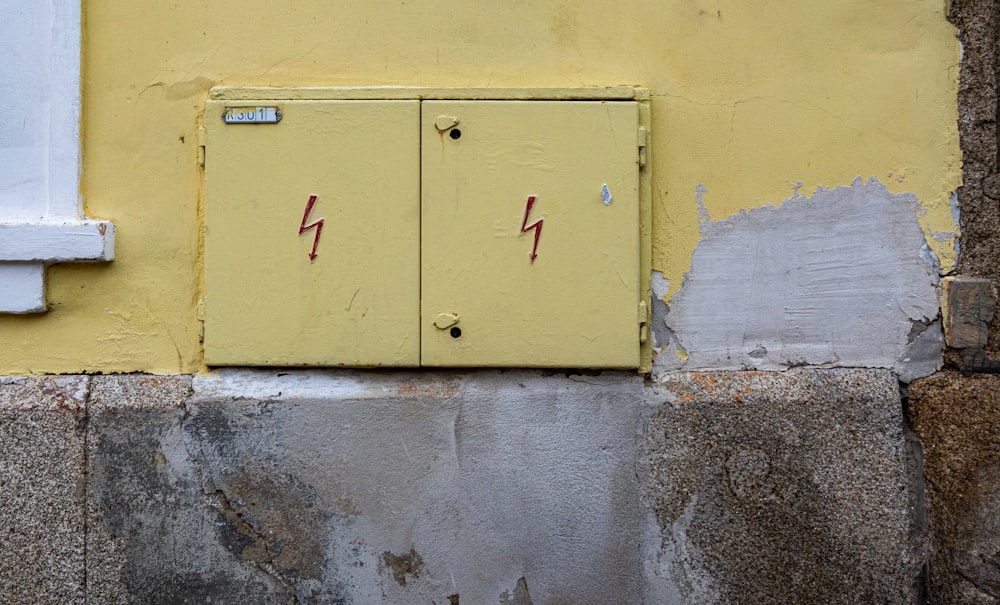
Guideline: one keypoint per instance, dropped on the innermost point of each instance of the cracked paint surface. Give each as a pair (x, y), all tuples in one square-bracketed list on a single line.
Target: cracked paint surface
[(843, 277)]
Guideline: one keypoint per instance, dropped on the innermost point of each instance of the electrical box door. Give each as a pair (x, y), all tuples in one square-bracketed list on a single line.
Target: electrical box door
[(530, 234), (312, 232)]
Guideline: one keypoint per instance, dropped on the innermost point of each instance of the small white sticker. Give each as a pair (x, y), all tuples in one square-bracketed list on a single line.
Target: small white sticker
[(252, 115), (606, 195)]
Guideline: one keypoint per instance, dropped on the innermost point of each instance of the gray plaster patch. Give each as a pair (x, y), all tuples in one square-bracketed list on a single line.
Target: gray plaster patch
[(783, 487), (922, 356), (834, 279), (365, 487)]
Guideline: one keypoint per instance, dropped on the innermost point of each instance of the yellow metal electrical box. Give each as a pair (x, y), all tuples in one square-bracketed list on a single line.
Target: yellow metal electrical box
[(312, 233), (530, 233), (405, 227)]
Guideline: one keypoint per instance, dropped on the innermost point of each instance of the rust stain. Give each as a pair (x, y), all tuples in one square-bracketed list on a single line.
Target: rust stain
[(410, 563)]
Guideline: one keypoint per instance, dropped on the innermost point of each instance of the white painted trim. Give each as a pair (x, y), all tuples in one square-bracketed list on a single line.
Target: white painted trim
[(41, 216), (22, 287), (57, 242), (64, 112)]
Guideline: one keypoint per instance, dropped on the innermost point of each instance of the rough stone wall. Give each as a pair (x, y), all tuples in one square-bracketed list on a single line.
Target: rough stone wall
[(955, 414), (979, 197), (958, 421), (977, 22)]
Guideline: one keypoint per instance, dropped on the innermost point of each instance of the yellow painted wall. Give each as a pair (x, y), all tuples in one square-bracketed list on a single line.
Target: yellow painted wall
[(750, 98)]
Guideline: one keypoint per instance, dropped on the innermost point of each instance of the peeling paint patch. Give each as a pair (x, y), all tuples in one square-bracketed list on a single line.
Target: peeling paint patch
[(663, 336), (667, 349), (699, 198), (834, 279)]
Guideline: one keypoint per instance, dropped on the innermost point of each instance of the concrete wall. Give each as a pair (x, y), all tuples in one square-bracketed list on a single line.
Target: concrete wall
[(509, 487)]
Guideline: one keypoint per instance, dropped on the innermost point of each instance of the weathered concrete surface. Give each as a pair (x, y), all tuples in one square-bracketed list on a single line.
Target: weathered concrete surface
[(790, 487), (509, 487), (151, 537), (42, 487), (474, 487), (958, 421), (840, 278)]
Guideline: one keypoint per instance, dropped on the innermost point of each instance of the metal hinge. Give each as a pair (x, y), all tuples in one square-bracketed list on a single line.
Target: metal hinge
[(201, 146), (643, 138), (201, 321), (643, 321)]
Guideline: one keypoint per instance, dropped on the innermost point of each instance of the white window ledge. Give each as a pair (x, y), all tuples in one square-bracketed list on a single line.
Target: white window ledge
[(26, 249), (41, 217)]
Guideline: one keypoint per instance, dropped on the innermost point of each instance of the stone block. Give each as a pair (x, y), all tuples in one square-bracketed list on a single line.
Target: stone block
[(42, 509), (792, 487), (968, 308), (957, 418), (151, 531)]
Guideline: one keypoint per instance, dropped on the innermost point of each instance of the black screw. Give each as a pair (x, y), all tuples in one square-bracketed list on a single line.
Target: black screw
[(455, 133), (456, 332)]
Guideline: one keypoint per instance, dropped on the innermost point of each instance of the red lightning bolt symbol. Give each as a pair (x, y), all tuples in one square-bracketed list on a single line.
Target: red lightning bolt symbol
[(537, 226), (318, 225)]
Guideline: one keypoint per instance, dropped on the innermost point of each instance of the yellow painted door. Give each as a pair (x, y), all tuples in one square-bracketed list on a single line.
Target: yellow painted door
[(527, 260), (312, 243)]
